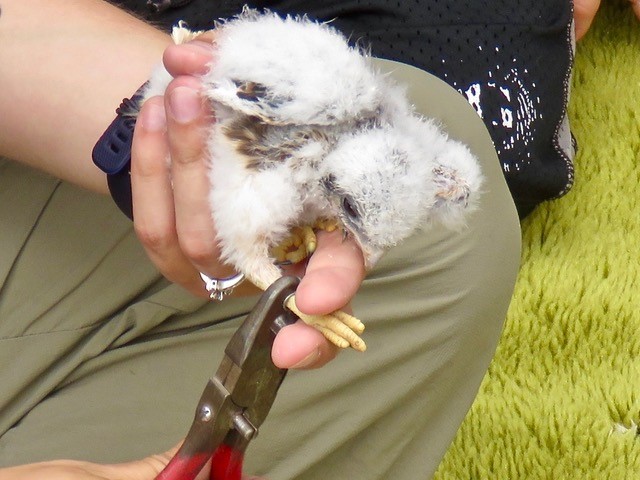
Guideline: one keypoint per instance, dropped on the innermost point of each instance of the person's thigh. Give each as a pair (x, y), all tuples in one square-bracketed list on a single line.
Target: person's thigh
[(126, 402), (433, 308)]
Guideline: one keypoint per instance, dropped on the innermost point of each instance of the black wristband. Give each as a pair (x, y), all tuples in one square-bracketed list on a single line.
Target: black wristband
[(112, 152)]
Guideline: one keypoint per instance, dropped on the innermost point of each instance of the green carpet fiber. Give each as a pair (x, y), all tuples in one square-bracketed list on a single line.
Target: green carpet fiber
[(561, 399)]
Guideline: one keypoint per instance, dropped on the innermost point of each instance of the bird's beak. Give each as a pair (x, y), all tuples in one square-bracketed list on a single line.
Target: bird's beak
[(371, 254), (371, 257)]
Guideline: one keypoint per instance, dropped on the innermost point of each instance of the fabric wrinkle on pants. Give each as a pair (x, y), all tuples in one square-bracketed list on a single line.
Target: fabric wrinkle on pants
[(104, 361)]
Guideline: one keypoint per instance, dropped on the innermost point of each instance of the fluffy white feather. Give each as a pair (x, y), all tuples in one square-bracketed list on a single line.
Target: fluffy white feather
[(311, 74), (307, 128)]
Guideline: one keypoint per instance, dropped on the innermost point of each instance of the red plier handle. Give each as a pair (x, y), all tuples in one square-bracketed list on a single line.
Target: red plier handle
[(239, 396)]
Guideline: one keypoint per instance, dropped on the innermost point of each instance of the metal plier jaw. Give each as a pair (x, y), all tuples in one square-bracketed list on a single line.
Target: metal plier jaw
[(239, 396)]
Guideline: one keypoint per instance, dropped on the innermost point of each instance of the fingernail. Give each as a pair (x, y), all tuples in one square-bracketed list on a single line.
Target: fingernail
[(201, 48), (153, 118), (185, 104), (201, 52), (308, 360)]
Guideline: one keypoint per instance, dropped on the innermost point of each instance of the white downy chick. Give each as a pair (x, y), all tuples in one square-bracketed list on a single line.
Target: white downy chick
[(306, 128)]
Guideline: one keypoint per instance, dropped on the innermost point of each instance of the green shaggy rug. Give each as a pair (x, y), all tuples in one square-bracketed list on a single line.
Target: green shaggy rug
[(562, 397)]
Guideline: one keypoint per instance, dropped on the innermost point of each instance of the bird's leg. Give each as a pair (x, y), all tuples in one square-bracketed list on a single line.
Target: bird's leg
[(338, 327)]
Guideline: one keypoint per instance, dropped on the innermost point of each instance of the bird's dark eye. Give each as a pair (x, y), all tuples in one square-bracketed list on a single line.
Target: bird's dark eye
[(349, 208)]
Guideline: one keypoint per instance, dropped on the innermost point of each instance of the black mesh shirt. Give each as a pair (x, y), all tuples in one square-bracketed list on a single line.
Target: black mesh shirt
[(511, 59)]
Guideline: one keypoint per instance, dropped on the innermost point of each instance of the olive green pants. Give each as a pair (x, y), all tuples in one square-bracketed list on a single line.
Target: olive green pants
[(102, 360)]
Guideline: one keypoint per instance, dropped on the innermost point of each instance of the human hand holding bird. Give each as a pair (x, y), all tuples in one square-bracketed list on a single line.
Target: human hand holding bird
[(167, 199), (312, 133)]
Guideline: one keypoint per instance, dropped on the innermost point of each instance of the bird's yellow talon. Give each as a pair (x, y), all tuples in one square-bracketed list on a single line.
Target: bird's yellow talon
[(327, 224), (300, 244), (350, 321), (278, 254), (334, 338), (296, 256), (337, 327), (308, 238)]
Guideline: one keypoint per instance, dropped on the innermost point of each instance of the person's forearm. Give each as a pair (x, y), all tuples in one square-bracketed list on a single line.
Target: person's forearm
[(65, 67)]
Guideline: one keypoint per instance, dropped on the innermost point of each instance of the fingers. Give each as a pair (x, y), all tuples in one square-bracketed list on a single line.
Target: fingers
[(635, 4), (191, 58), (152, 194), (188, 123), (169, 174), (333, 275), (584, 12), (150, 467), (302, 347), (172, 216), (170, 181), (147, 468)]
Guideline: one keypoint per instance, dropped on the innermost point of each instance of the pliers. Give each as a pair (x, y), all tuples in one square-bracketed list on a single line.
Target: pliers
[(239, 396)]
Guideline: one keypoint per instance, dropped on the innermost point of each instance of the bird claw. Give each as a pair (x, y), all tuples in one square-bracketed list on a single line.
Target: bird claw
[(298, 246), (338, 327), (302, 242), (326, 224)]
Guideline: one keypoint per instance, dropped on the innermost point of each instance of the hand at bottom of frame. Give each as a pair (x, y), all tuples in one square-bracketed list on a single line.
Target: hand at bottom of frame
[(146, 469)]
